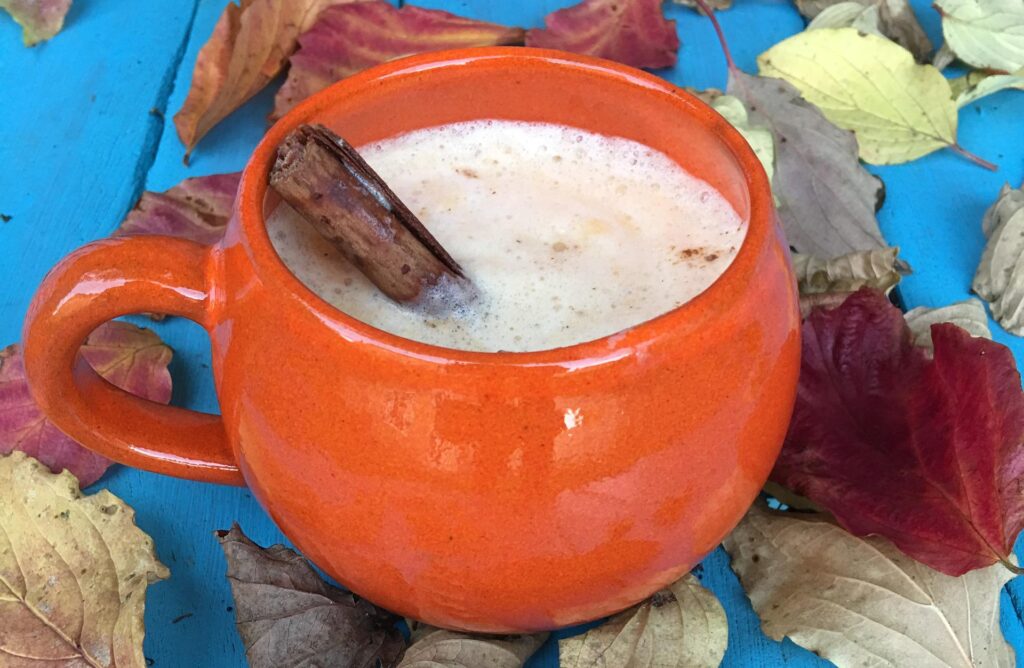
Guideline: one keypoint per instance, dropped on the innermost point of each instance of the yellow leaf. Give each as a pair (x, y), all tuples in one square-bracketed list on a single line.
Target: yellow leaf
[(73, 571), (898, 109), (759, 138), (985, 33), (973, 86)]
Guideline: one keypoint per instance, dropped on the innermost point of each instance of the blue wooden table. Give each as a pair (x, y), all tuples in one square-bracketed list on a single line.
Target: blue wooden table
[(85, 127)]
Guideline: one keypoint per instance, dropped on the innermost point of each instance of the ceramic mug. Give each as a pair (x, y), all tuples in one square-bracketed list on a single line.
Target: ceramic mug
[(497, 492)]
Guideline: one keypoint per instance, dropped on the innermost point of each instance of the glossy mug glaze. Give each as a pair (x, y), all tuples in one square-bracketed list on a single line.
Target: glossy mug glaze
[(495, 492)]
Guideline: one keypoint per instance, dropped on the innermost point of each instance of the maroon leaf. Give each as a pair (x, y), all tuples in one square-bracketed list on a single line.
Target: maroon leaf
[(924, 452), (351, 37), (634, 32), (132, 358), (196, 209)]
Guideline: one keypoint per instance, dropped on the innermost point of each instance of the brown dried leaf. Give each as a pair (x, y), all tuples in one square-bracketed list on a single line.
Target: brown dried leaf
[(826, 199), (999, 279), (860, 601), (436, 648), (73, 572), (249, 46), (683, 626), (287, 615), (969, 315), (896, 20), (717, 5)]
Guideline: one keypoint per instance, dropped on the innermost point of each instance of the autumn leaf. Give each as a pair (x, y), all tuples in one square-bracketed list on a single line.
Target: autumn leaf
[(894, 19), (437, 648), (999, 279), (860, 602), (39, 19), (760, 138), (683, 626), (969, 315), (826, 199), (879, 269), (73, 571), (131, 358), (286, 612), (985, 33), (349, 38), (898, 110), (975, 85), (196, 209), (925, 452), (249, 46), (634, 32)]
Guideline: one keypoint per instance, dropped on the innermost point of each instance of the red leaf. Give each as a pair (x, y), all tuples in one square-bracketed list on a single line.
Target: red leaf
[(634, 32), (348, 38), (132, 358), (196, 209), (249, 46), (924, 452)]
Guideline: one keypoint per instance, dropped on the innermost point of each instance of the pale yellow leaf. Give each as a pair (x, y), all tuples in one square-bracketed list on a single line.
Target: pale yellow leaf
[(683, 626), (899, 110), (759, 138), (999, 278), (73, 571), (985, 33), (968, 315), (879, 269), (861, 602)]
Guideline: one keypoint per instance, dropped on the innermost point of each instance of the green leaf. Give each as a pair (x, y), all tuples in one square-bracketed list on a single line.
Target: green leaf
[(985, 33), (898, 109)]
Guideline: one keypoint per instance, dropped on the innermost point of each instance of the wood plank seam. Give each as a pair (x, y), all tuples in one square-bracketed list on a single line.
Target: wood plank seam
[(158, 117)]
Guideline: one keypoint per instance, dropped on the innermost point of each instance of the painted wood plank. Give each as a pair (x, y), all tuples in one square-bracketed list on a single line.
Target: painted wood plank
[(940, 239)]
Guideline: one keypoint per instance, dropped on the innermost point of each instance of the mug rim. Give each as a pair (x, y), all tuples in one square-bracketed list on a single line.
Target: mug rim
[(272, 270)]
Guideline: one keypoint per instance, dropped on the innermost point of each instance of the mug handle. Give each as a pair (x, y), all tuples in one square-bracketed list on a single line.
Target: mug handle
[(98, 282)]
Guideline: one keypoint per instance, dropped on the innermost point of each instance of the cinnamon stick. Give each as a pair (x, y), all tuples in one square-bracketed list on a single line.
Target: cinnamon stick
[(326, 181)]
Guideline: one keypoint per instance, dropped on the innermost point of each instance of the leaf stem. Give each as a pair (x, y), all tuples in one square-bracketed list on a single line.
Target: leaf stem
[(1013, 568), (721, 35), (976, 159)]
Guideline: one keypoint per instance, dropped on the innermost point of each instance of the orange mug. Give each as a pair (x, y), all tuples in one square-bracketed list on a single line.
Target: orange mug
[(493, 492)]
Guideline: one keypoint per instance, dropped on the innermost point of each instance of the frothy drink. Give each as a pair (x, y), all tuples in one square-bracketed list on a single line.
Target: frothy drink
[(568, 235)]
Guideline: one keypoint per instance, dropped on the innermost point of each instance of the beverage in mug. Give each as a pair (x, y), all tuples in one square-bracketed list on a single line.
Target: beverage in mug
[(568, 235)]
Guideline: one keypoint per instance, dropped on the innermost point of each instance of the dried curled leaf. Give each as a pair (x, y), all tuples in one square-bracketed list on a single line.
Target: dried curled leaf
[(351, 37), (975, 85), (196, 209), (249, 46), (634, 32), (826, 199), (879, 269), (969, 315), (860, 602), (437, 648), (39, 19), (131, 358), (683, 626), (285, 610), (898, 109), (985, 33), (73, 572), (850, 14), (925, 452), (894, 19), (999, 279)]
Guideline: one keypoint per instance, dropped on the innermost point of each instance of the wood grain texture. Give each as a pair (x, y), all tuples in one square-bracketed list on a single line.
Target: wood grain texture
[(65, 191)]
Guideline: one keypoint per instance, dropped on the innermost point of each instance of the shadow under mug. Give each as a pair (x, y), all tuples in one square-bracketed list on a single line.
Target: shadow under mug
[(497, 492)]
